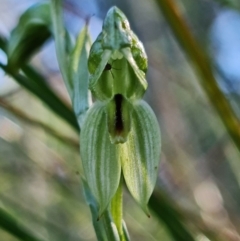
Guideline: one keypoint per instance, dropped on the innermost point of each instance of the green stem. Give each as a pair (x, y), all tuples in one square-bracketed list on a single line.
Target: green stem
[(116, 209)]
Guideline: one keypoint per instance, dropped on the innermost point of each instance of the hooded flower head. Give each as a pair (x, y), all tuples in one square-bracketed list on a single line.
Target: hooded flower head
[(120, 132)]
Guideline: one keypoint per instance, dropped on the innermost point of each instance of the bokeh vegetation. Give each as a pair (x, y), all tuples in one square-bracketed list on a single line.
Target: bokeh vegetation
[(197, 193)]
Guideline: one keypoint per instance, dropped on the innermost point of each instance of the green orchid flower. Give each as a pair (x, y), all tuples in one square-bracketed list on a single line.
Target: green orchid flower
[(120, 133)]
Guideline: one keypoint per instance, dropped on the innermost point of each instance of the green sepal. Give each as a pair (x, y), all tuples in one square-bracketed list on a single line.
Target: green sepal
[(32, 31), (99, 156), (117, 41), (142, 85), (105, 56), (119, 118), (139, 54), (140, 155), (116, 30), (95, 55)]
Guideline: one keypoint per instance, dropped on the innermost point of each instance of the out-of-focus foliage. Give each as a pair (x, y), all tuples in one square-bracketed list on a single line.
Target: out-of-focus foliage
[(197, 195), (33, 29)]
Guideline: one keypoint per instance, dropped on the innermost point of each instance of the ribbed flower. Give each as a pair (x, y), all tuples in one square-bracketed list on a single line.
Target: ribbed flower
[(120, 132)]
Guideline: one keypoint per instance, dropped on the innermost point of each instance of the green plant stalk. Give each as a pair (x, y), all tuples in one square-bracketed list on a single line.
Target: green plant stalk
[(203, 67), (116, 209), (12, 226)]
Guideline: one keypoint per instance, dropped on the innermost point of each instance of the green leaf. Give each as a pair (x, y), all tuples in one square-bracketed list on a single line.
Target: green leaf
[(36, 86), (80, 75), (99, 156), (61, 39), (46, 94), (140, 155), (12, 226), (98, 226), (30, 34)]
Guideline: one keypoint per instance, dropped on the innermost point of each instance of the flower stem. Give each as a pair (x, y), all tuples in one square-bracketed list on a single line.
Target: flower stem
[(116, 209)]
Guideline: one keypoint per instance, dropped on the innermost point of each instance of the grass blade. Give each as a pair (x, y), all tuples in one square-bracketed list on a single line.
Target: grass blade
[(60, 107), (79, 74), (60, 41), (170, 217), (45, 94), (12, 226)]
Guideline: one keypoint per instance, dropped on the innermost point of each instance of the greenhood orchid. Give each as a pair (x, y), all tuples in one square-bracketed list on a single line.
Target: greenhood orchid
[(120, 133)]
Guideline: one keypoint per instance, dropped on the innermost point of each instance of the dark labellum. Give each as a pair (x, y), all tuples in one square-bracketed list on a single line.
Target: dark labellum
[(118, 113)]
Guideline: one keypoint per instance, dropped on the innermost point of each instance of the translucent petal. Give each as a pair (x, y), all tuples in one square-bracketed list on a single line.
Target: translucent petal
[(95, 76), (140, 155), (141, 88), (100, 161)]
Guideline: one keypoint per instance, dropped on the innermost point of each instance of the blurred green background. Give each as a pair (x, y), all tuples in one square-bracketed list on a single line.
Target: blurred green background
[(197, 193)]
